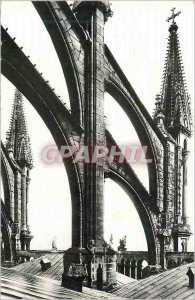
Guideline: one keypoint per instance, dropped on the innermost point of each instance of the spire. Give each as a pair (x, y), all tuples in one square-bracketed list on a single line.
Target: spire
[(174, 101), (17, 138)]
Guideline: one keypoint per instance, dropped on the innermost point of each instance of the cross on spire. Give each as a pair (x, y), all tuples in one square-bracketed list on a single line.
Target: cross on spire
[(174, 15), (174, 101)]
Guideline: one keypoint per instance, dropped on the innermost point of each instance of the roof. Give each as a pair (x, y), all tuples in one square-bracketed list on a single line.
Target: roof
[(122, 279), (172, 284), (18, 285), (34, 267), (167, 285), (56, 269)]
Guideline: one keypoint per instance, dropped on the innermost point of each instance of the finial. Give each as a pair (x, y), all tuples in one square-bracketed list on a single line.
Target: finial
[(173, 27), (173, 16)]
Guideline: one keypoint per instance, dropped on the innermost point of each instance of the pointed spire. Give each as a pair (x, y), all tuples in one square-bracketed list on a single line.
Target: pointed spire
[(174, 98), (17, 138)]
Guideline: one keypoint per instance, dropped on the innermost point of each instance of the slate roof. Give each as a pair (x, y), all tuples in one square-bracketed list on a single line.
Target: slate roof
[(172, 284), (34, 267), (122, 279), (56, 269), (18, 285)]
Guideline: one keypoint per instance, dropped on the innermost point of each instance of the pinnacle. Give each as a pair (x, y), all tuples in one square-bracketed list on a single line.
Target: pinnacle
[(17, 138), (174, 96)]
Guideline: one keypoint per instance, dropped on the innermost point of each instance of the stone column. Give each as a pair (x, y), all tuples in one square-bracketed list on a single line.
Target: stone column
[(12, 201), (23, 200), (94, 16), (178, 183), (28, 236), (185, 156), (17, 193), (27, 202)]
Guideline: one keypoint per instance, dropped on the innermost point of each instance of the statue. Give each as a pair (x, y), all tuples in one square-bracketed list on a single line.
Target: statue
[(91, 246), (183, 246), (111, 241), (122, 243), (54, 247)]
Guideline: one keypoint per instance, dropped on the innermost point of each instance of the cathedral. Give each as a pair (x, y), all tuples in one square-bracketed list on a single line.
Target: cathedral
[(90, 69)]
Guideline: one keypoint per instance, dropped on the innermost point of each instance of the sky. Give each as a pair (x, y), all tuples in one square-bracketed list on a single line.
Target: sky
[(137, 36)]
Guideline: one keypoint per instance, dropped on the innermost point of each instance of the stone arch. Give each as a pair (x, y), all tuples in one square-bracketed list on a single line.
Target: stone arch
[(6, 214), (139, 124), (52, 114), (114, 113), (6, 234), (143, 212), (47, 12), (6, 180)]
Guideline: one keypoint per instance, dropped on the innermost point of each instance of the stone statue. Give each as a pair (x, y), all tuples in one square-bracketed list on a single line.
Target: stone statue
[(54, 247), (123, 243), (91, 246), (111, 241), (183, 245)]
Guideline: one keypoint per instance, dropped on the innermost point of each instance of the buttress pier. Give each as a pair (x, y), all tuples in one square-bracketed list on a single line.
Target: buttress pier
[(16, 165), (91, 70)]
